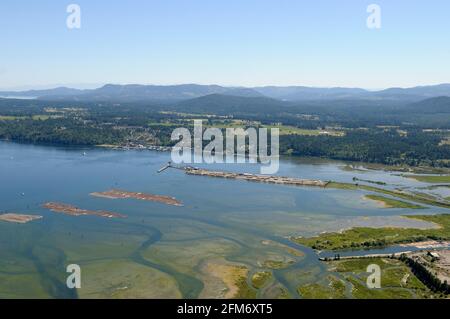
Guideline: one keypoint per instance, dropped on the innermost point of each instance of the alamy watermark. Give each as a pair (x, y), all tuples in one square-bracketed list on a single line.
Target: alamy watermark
[(374, 19), (374, 279), (73, 20), (241, 146), (74, 279)]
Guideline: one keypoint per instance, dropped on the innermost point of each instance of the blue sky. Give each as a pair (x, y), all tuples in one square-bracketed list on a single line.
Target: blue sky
[(229, 42)]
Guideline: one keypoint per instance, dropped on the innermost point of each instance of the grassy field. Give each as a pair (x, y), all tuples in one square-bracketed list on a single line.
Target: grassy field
[(292, 130), (366, 237), (392, 203), (10, 118), (33, 117), (430, 178), (334, 289)]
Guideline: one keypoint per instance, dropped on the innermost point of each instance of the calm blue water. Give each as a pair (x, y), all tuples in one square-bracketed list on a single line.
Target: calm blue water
[(226, 220)]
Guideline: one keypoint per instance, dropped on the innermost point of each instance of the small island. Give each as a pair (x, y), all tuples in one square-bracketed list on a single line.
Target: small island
[(121, 194), (75, 211), (18, 218)]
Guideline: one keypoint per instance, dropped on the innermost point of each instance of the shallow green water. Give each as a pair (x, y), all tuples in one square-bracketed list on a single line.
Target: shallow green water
[(164, 251)]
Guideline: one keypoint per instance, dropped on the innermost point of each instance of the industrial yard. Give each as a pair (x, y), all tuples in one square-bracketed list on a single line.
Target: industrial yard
[(256, 178)]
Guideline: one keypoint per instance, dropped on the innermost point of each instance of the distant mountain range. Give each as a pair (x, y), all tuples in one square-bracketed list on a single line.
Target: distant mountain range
[(177, 93), (298, 93), (134, 93)]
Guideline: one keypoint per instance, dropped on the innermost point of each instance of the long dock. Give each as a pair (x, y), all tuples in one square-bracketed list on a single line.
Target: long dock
[(397, 254), (256, 178)]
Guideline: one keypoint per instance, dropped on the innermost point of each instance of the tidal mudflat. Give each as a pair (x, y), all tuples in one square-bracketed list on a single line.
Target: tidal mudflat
[(230, 238)]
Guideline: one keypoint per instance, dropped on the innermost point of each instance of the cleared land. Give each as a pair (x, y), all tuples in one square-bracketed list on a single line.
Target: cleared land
[(37, 117), (437, 263), (293, 130)]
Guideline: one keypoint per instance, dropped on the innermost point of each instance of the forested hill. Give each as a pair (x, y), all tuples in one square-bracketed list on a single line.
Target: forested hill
[(235, 105), (359, 130), (429, 113), (435, 105)]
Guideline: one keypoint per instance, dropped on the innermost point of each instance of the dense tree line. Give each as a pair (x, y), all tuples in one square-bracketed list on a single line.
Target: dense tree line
[(58, 131), (373, 146), (111, 123)]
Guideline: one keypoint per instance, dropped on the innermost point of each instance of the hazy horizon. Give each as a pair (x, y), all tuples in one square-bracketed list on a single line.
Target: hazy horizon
[(82, 86)]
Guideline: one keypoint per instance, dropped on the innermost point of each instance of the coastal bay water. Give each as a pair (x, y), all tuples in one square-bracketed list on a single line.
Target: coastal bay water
[(162, 251)]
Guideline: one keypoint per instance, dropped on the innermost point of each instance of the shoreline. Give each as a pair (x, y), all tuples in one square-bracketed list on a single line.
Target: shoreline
[(353, 165), (409, 248)]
